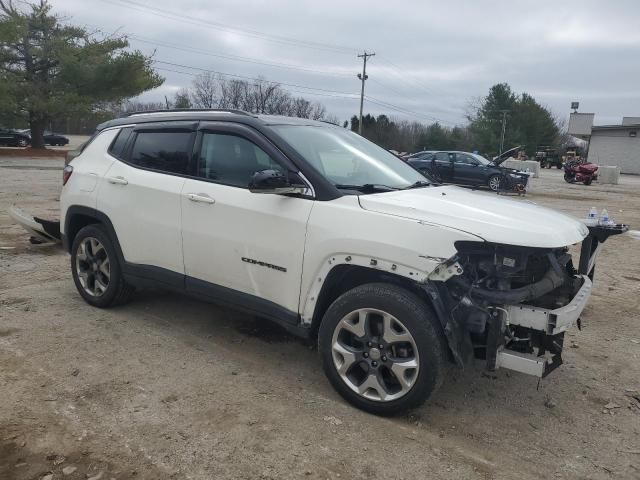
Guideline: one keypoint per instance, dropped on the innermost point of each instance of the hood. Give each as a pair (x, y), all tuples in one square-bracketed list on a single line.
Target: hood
[(494, 219), (504, 155)]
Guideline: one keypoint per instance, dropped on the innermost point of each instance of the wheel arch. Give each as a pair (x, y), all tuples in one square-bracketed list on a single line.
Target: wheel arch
[(344, 277), (79, 216)]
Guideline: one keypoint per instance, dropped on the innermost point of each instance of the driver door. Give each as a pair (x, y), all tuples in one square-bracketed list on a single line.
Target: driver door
[(444, 166), (241, 246), (467, 170)]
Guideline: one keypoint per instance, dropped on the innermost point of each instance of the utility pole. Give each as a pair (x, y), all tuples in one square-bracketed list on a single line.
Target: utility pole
[(363, 77), (504, 127)]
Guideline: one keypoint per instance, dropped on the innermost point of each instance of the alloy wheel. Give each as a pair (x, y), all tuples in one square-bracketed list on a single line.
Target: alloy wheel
[(375, 355), (93, 266), (494, 183)]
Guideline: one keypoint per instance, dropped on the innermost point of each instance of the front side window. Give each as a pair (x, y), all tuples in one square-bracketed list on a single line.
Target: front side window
[(347, 159), (232, 160), (164, 151), (442, 157), (465, 159)]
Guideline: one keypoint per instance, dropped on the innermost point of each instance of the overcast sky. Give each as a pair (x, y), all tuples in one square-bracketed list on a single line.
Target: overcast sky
[(433, 58)]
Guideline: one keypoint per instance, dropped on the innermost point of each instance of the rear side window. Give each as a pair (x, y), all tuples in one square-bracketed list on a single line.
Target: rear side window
[(164, 151), (117, 147)]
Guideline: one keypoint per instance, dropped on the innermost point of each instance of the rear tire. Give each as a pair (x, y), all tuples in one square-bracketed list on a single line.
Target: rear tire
[(395, 361), (588, 181), (96, 270)]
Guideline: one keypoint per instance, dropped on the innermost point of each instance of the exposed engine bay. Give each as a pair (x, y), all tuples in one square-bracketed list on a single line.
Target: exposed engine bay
[(497, 277), (511, 305)]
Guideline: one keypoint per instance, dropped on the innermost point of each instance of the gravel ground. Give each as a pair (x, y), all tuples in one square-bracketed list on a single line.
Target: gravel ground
[(170, 387)]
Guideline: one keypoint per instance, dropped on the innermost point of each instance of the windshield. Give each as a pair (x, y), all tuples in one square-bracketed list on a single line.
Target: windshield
[(480, 158), (347, 159)]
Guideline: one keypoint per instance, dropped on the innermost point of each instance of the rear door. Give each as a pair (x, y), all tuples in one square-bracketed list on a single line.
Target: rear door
[(243, 246), (444, 166), (141, 191)]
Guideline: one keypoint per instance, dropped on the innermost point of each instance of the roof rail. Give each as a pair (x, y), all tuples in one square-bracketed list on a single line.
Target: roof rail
[(187, 110)]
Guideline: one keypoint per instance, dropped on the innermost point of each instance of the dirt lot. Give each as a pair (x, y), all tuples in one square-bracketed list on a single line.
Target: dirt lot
[(169, 387)]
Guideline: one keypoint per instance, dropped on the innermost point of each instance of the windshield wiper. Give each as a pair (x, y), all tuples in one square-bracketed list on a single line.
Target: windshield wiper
[(367, 188), (418, 184)]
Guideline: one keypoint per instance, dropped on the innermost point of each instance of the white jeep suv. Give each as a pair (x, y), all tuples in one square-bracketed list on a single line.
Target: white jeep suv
[(311, 226)]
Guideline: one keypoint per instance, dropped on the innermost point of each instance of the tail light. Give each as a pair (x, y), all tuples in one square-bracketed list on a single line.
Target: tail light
[(66, 174)]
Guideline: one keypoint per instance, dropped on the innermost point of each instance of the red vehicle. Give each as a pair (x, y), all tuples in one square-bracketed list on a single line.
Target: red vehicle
[(579, 172)]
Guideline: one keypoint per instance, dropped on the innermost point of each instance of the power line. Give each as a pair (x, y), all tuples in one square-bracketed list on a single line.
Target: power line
[(280, 65), (249, 78), (307, 90), (407, 111), (325, 92), (219, 26), (252, 33), (233, 57), (348, 96)]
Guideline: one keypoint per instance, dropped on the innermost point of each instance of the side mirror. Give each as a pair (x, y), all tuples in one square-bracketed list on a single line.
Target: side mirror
[(275, 182)]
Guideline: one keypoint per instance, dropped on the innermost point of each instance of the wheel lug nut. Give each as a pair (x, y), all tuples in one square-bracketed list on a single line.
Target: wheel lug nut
[(374, 363), (384, 359), (381, 347), (365, 355), (369, 344)]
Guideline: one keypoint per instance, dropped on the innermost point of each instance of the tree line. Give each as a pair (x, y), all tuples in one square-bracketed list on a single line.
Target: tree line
[(528, 124), (260, 96)]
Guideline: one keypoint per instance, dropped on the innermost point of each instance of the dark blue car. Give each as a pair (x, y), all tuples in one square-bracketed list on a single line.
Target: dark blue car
[(464, 168)]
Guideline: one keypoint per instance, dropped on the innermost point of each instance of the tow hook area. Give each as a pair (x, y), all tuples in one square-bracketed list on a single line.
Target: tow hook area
[(547, 358)]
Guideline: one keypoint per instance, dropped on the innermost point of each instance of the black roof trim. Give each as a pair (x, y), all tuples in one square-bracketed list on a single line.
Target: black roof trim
[(217, 110)]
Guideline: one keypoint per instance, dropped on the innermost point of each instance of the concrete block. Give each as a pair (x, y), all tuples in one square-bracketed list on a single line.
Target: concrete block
[(532, 165), (609, 175)]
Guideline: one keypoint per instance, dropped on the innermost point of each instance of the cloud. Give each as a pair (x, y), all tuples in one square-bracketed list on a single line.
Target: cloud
[(432, 57)]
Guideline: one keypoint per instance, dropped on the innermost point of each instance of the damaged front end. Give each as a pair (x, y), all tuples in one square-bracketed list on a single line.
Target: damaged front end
[(511, 305)]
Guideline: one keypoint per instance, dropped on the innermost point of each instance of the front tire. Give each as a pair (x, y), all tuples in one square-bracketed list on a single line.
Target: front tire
[(97, 273), (382, 348), (494, 182), (569, 178)]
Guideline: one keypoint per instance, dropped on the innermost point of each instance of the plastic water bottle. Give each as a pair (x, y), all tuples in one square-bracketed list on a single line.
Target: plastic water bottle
[(604, 217), (592, 217)]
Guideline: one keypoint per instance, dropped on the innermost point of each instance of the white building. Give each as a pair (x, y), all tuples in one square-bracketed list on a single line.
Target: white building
[(617, 145)]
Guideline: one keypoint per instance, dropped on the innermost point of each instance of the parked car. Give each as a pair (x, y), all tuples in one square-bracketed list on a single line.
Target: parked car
[(50, 138), (13, 138), (464, 168), (314, 227)]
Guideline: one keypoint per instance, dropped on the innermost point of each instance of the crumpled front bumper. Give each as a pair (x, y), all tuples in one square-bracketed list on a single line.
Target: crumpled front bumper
[(551, 322)]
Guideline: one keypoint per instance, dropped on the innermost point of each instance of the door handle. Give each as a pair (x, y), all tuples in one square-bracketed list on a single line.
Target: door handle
[(200, 197), (118, 180)]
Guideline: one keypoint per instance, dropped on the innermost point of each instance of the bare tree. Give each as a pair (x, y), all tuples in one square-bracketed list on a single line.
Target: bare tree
[(204, 91), (318, 111), (301, 107), (260, 95), (233, 94)]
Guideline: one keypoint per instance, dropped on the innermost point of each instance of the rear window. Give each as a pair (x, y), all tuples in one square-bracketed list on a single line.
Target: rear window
[(117, 147), (163, 151)]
